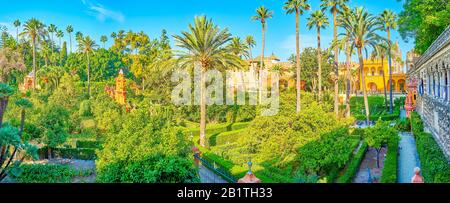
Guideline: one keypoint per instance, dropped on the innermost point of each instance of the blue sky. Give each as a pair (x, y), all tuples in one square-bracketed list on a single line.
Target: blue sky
[(101, 17)]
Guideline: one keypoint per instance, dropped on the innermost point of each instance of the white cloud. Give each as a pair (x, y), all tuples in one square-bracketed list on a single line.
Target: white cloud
[(102, 13)]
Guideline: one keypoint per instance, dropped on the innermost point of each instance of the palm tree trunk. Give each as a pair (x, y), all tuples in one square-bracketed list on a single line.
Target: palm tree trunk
[(51, 44), (261, 67), (297, 36), (60, 47), (336, 63), (390, 73), (70, 39), (17, 34), (203, 142), (384, 83), (89, 75), (361, 69), (34, 62), (319, 62), (348, 84)]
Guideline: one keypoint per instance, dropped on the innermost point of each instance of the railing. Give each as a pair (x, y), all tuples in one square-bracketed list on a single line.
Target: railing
[(217, 170)]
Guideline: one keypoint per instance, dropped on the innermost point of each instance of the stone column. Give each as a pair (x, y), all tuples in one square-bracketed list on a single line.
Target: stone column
[(448, 83)]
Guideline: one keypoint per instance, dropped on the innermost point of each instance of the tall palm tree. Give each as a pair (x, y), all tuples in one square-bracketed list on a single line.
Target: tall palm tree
[(60, 35), (250, 42), (344, 44), (389, 21), (103, 39), (69, 30), (380, 52), (320, 21), (204, 44), (334, 6), (363, 28), (17, 25), (52, 29), (298, 7), (262, 14), (87, 46), (35, 31)]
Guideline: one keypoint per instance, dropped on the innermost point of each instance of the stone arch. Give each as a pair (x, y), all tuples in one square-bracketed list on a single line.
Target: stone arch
[(388, 87), (372, 87), (373, 71), (401, 85), (380, 70)]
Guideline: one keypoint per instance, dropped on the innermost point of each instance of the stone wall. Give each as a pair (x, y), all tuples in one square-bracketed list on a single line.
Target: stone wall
[(432, 73)]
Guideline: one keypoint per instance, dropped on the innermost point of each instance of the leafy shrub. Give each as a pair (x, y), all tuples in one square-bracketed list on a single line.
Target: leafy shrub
[(85, 109), (152, 169), (435, 167), (434, 164), (389, 172), (353, 166), (48, 173)]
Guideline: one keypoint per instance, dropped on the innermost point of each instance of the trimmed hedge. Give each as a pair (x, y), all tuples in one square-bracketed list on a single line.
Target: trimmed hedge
[(70, 153), (49, 173), (239, 126), (228, 137), (354, 165), (389, 172), (434, 164), (91, 144)]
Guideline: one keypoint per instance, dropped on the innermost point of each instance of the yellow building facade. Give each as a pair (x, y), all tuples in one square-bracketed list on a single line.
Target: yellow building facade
[(374, 82)]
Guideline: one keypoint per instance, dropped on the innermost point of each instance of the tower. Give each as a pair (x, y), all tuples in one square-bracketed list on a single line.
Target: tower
[(120, 92)]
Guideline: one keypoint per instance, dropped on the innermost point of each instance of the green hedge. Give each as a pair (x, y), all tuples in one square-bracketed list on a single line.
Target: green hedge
[(48, 173), (212, 129), (228, 137), (92, 144), (70, 153), (434, 164), (239, 126), (389, 172), (353, 167)]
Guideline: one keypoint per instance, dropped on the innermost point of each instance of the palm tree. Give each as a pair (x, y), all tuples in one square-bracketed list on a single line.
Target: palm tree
[(113, 35), (46, 52), (35, 31), (204, 44), (17, 25), (344, 44), (52, 29), (335, 6), (103, 39), (298, 7), (238, 47), (250, 42), (320, 21), (78, 36), (262, 14), (389, 21), (60, 35), (87, 46), (363, 28), (69, 30), (380, 52)]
